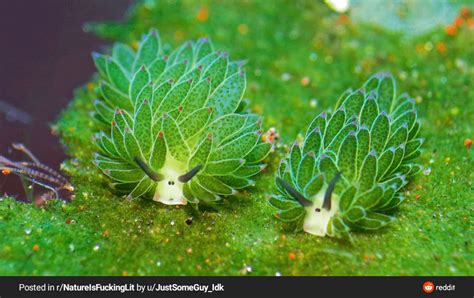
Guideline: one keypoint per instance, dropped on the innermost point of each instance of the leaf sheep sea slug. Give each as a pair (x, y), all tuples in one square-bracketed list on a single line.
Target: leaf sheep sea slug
[(353, 162), (178, 131)]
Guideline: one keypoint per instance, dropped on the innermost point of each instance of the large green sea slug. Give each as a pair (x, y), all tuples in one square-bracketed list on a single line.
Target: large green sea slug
[(176, 130), (348, 172)]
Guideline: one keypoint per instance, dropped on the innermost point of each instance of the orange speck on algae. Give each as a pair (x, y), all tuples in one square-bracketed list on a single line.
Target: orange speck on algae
[(6, 172), (258, 109), (106, 233), (451, 30), (270, 136), (292, 256), (203, 14), (468, 143), (458, 22), (343, 19), (90, 86), (470, 23), (465, 12), (305, 81), (36, 247), (441, 47), (243, 29)]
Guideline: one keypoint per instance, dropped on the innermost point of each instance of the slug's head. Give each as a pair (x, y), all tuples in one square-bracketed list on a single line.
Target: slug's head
[(318, 209), (170, 180), (324, 208)]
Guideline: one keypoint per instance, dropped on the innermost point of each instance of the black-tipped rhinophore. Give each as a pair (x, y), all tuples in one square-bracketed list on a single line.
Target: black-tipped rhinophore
[(189, 175), (150, 173), (294, 193), (328, 194)]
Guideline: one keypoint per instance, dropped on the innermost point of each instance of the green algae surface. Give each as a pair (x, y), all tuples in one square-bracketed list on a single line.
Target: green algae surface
[(300, 58)]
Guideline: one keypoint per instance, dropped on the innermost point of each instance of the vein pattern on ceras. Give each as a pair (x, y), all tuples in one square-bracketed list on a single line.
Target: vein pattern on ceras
[(348, 172), (178, 129)]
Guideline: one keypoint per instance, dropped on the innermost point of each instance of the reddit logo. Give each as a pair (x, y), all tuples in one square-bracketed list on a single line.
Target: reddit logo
[(428, 287)]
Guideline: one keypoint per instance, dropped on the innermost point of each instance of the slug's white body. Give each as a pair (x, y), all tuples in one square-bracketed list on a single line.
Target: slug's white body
[(170, 190), (317, 218)]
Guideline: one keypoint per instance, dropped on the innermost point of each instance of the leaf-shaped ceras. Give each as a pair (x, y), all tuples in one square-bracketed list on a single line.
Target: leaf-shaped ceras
[(178, 132), (353, 162)]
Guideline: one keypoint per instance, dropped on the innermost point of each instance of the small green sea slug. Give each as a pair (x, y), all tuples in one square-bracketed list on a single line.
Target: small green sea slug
[(348, 172), (177, 130)]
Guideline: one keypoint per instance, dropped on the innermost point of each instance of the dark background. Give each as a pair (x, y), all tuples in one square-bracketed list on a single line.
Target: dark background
[(44, 56)]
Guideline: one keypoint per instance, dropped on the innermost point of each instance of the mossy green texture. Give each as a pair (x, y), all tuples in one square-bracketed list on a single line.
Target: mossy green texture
[(300, 58)]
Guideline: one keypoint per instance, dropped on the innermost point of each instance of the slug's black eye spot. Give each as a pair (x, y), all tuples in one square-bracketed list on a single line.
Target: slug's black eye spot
[(170, 182), (317, 209)]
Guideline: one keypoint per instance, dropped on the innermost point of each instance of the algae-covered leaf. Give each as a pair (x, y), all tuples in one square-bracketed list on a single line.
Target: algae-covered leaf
[(124, 55), (334, 126), (214, 185), (290, 214), (195, 122), (158, 152), (174, 97), (139, 81), (312, 141), (201, 154), (226, 98), (282, 203), (114, 97), (224, 167), (175, 142), (305, 169), (239, 146), (379, 132), (347, 156), (148, 51), (196, 98), (259, 153), (142, 126), (369, 111), (117, 75)]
